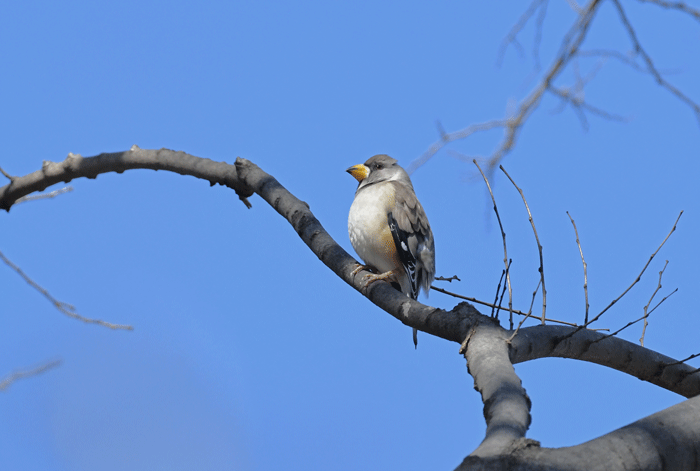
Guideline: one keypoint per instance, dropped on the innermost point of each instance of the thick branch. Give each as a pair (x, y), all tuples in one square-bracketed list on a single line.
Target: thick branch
[(587, 345), (506, 405), (246, 178), (75, 166), (454, 325), (668, 440)]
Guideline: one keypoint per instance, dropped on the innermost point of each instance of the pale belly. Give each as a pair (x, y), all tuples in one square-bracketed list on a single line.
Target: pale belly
[(370, 235)]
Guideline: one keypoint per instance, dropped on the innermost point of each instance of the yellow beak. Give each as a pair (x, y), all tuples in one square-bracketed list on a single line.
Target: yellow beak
[(360, 172)]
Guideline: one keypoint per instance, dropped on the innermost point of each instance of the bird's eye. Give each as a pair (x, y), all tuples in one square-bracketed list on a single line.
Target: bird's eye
[(378, 166)]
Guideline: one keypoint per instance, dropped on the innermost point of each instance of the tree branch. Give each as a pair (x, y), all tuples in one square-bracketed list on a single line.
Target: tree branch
[(75, 166), (8, 380), (587, 345), (650, 65), (65, 308), (667, 440), (247, 178), (490, 358), (506, 404)]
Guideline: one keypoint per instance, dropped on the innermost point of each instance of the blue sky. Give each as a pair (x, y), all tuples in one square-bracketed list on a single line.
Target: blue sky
[(248, 353)]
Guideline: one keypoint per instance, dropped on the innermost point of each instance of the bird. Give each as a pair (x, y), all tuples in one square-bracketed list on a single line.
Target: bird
[(389, 229)]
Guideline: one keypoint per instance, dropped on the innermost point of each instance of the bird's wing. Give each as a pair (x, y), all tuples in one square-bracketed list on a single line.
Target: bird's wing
[(413, 238)]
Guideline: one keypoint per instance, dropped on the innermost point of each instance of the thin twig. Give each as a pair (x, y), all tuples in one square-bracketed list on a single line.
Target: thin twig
[(529, 312), (442, 278), (694, 355), (664, 299), (676, 6), (503, 236), (484, 303), (512, 37), (570, 45), (65, 308), (650, 65), (12, 377), (585, 268), (9, 177), (539, 246), (446, 138), (639, 277), (539, 25), (513, 123), (637, 320), (579, 104), (574, 6), (500, 302), (606, 53), (498, 291), (658, 287), (696, 370), (53, 194)]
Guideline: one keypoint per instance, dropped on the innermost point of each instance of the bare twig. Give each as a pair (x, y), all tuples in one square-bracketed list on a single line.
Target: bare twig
[(53, 194), (512, 124), (503, 236), (574, 6), (498, 291), (626, 59), (637, 320), (65, 308), (675, 6), (8, 176), (538, 35), (579, 104), (639, 277), (539, 246), (446, 138), (585, 268), (694, 355), (484, 303), (442, 278), (658, 287), (664, 299), (512, 37), (12, 377), (650, 65), (570, 45), (503, 293), (529, 312)]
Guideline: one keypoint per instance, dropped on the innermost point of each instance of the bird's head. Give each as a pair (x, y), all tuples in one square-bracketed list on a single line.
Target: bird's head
[(377, 169)]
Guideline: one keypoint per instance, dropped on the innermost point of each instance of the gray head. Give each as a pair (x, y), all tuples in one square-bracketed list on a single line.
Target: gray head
[(379, 168)]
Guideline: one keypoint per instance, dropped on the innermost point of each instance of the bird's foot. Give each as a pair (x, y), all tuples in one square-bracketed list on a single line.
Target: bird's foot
[(389, 277), (360, 268)]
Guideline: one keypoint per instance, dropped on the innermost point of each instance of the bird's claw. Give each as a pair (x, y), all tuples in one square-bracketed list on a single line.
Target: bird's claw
[(389, 277)]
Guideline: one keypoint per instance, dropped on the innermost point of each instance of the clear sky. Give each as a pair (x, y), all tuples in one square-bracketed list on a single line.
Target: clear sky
[(247, 352)]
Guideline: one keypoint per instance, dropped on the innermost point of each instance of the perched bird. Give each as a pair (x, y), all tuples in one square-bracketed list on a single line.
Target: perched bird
[(389, 229)]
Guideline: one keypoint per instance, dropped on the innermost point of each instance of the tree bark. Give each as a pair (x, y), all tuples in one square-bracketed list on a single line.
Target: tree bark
[(669, 439)]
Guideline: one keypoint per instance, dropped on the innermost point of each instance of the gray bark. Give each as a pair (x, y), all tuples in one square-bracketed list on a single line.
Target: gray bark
[(669, 439)]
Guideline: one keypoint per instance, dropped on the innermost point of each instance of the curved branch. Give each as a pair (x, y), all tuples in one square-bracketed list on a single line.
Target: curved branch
[(506, 404), (247, 178), (8, 380), (75, 166), (667, 440), (587, 345)]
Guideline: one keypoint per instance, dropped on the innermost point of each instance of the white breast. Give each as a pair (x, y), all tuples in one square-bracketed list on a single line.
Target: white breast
[(368, 227)]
